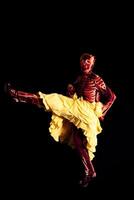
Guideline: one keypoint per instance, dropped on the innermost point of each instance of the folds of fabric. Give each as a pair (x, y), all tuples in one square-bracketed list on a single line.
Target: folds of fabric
[(67, 111)]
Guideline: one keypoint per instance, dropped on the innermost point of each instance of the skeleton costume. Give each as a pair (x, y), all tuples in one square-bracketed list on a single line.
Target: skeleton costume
[(75, 118)]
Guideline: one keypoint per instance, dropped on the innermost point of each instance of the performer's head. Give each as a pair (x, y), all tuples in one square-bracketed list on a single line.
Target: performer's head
[(87, 62)]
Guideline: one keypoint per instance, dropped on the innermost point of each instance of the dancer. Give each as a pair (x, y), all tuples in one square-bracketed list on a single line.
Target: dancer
[(76, 117)]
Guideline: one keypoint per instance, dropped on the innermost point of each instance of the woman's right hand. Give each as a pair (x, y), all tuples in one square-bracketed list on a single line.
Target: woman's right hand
[(70, 90)]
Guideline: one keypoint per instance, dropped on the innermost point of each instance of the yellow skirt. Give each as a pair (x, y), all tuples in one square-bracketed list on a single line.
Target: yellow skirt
[(67, 111)]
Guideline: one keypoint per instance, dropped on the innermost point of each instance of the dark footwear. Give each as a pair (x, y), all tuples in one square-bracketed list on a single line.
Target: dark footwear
[(11, 92), (85, 181), (6, 88)]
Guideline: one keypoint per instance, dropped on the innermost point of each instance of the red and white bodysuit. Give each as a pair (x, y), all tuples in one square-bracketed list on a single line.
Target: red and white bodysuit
[(93, 89)]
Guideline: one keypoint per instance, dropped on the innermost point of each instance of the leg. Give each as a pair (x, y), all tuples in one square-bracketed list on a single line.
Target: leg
[(25, 97), (89, 171), (73, 111)]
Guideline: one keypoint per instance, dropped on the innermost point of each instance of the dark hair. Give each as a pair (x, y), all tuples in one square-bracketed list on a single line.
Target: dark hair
[(85, 56)]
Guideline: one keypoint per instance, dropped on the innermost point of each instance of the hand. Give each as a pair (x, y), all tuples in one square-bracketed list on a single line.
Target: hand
[(101, 118), (70, 90), (70, 87)]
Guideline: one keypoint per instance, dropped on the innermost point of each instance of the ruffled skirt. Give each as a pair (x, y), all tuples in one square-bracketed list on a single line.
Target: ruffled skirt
[(68, 111)]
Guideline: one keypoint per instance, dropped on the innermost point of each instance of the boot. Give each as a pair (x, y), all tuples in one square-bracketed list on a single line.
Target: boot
[(89, 171)]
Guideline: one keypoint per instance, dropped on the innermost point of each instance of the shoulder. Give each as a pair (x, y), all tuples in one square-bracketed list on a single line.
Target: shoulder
[(95, 77), (99, 81)]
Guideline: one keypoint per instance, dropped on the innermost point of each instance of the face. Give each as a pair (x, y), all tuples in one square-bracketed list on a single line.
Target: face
[(86, 65)]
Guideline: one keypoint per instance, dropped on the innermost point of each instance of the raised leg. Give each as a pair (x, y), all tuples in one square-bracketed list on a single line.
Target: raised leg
[(24, 97)]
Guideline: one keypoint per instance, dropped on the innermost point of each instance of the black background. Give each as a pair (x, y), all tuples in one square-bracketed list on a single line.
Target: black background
[(41, 52)]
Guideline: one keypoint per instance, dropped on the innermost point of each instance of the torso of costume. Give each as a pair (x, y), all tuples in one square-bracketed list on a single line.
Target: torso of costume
[(90, 87), (93, 89)]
